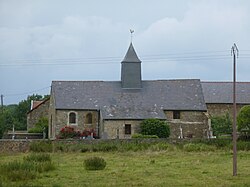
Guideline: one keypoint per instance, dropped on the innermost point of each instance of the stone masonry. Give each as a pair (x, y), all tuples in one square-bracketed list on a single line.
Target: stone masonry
[(35, 114)]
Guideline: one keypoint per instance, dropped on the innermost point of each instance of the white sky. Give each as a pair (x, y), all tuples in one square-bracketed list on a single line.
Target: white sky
[(45, 40)]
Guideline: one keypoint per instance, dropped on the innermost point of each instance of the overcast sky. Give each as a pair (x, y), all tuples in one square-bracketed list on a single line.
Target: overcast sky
[(45, 40)]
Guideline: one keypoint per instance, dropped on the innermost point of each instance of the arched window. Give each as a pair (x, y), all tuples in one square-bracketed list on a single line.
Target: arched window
[(89, 118), (72, 118)]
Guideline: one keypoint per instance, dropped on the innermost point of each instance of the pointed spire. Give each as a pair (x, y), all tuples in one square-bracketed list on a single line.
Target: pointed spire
[(131, 55), (131, 70)]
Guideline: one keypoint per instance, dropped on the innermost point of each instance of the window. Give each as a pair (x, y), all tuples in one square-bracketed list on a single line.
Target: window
[(127, 129), (72, 118), (176, 114), (89, 118)]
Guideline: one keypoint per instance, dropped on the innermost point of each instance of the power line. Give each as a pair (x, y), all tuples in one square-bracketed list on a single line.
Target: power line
[(25, 93), (114, 61), (114, 58)]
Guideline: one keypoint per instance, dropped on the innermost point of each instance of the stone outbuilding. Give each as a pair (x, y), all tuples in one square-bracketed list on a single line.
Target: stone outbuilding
[(115, 109), (38, 110), (219, 97)]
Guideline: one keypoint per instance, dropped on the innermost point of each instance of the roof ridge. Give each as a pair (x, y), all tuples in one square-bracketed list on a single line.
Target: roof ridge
[(223, 82)]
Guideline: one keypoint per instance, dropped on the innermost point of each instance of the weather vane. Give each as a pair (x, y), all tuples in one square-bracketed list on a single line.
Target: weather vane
[(131, 32)]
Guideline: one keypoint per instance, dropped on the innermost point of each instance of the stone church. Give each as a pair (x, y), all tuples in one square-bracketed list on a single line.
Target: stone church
[(115, 109)]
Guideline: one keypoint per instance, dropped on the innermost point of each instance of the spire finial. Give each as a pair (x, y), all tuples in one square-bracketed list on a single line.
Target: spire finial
[(131, 33)]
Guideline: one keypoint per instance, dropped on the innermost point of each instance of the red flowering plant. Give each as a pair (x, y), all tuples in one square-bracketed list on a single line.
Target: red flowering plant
[(67, 132)]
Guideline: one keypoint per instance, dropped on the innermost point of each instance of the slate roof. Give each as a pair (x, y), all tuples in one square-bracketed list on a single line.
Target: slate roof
[(221, 92), (131, 55), (36, 104), (116, 103)]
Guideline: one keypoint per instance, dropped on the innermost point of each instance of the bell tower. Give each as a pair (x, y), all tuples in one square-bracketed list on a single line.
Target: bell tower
[(131, 70)]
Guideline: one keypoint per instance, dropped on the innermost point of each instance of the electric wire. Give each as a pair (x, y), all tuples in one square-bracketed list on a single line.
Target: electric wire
[(113, 60), (25, 93)]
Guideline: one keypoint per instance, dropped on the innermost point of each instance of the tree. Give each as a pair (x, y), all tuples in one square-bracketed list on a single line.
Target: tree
[(6, 119), (221, 124), (155, 127), (20, 112), (17, 114), (243, 120)]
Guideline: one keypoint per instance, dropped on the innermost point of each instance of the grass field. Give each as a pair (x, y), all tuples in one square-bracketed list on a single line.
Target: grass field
[(142, 168)]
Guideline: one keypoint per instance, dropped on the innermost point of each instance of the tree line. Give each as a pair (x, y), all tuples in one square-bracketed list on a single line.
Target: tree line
[(16, 114)]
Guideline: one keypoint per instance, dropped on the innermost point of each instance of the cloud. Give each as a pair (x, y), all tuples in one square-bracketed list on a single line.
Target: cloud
[(43, 32), (206, 26)]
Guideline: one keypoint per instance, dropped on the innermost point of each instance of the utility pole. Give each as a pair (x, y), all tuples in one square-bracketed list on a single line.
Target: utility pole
[(234, 52), (2, 102)]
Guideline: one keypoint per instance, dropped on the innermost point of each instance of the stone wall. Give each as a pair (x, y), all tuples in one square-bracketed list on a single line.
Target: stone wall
[(14, 146), (222, 109), (41, 111), (192, 124), (23, 146), (116, 128), (62, 118)]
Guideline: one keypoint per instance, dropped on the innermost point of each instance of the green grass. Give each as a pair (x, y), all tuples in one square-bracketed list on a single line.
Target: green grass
[(143, 168)]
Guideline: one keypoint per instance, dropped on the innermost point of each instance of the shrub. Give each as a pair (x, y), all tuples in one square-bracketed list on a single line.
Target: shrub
[(41, 146), (94, 163), (155, 127), (41, 126), (33, 163), (67, 132), (44, 166), (221, 124), (144, 136), (16, 171), (41, 157), (70, 132), (243, 121)]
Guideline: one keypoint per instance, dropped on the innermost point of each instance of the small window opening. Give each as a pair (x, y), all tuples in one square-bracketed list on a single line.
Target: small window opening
[(127, 129), (176, 114), (72, 118), (89, 118)]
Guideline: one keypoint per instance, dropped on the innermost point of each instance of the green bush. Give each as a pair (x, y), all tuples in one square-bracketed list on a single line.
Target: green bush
[(94, 163), (28, 169), (41, 161), (221, 124), (41, 146), (16, 171), (155, 127), (243, 121), (144, 136), (41, 126), (41, 157)]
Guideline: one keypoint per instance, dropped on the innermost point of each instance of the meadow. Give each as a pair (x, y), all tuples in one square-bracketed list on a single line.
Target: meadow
[(159, 165)]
